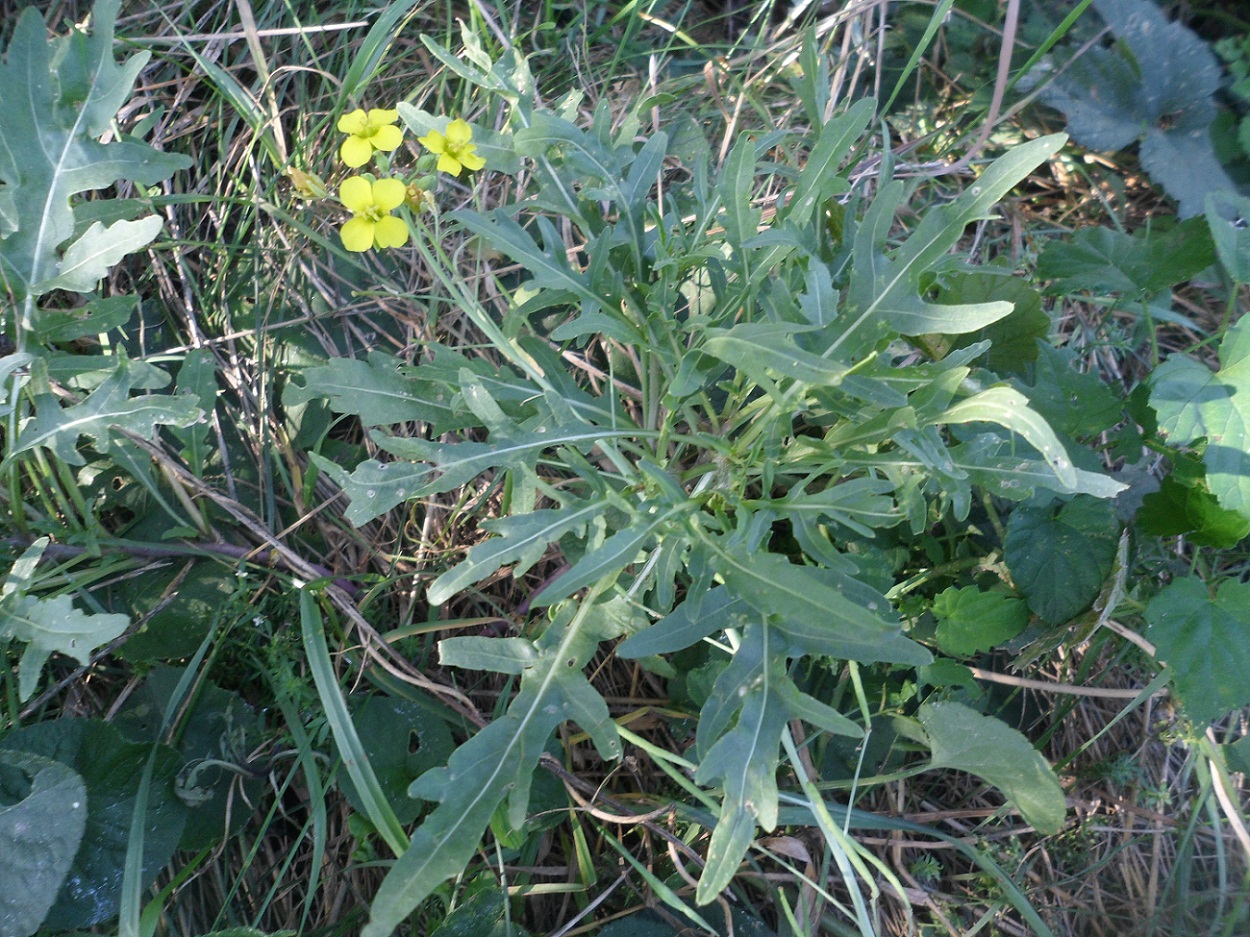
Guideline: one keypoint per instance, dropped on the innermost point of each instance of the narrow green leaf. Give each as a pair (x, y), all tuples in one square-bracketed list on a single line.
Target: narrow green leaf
[(499, 762), (522, 539), (819, 180), (88, 260), (355, 759), (1008, 407)]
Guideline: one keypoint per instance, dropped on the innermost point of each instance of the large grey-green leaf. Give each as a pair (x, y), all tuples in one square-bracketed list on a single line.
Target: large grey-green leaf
[(963, 739), (43, 811), (112, 769)]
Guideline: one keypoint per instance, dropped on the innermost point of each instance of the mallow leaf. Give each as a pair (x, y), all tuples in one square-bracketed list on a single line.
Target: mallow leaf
[(43, 811), (1194, 403), (1203, 639)]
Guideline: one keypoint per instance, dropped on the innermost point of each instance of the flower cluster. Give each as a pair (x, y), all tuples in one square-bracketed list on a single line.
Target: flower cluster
[(372, 136)]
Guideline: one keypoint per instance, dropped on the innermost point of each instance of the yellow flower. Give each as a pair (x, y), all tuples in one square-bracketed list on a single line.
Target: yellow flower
[(368, 132), (453, 148), (371, 204)]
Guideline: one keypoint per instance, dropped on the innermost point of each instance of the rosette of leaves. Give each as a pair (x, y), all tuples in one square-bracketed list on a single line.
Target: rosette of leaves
[(763, 404), (1154, 85)]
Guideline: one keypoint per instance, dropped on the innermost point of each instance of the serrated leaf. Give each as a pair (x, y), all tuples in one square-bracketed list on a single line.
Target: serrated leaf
[(971, 621), (499, 762), (1135, 266), (1073, 402), (1203, 639), (745, 757), (88, 260), (108, 407), (1014, 337), (819, 179), (376, 391), (1060, 555), (521, 539), (53, 625), (965, 740), (58, 98), (43, 812), (1193, 403), (112, 769), (885, 290), (548, 265)]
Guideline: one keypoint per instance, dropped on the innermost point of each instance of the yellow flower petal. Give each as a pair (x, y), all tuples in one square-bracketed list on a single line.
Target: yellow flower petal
[(470, 160), (390, 232), (458, 134), (434, 141), (387, 138), (357, 234), (355, 122), (448, 164), (356, 194), (355, 152), (378, 116), (389, 194)]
